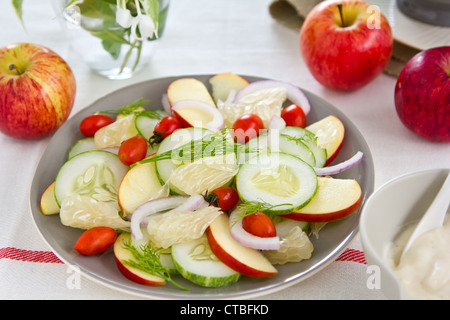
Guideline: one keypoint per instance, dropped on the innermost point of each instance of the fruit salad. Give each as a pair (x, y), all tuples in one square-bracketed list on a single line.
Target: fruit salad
[(218, 184)]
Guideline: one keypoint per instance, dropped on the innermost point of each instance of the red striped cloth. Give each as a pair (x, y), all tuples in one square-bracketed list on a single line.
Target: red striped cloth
[(352, 255), (29, 255)]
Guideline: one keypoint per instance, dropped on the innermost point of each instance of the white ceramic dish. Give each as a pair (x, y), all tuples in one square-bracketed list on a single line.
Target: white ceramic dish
[(397, 204), (333, 237), (412, 32)]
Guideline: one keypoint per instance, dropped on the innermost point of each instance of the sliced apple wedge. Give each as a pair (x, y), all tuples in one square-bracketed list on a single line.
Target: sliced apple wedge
[(49, 205), (330, 134), (122, 254), (247, 261), (140, 184), (196, 113), (224, 83), (335, 199), (188, 89)]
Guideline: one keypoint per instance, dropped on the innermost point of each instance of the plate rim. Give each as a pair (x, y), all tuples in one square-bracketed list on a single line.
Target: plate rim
[(253, 293)]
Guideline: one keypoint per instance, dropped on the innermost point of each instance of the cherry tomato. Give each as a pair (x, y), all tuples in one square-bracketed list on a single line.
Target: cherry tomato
[(259, 225), (246, 127), (164, 128), (91, 124), (294, 116), (226, 198), (95, 241), (167, 125), (133, 150)]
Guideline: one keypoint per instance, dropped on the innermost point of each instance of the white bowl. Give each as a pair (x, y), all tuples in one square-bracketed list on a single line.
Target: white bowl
[(395, 205)]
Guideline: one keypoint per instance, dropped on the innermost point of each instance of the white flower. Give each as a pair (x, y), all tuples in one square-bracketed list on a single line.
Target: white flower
[(124, 17), (146, 27)]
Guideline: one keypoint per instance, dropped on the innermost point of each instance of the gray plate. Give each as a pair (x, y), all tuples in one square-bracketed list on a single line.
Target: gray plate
[(333, 237)]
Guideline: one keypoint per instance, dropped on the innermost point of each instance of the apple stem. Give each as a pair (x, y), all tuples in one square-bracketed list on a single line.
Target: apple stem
[(12, 67), (340, 13)]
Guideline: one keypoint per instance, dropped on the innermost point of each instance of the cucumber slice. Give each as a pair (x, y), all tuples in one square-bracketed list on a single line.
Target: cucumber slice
[(309, 139), (196, 262), (164, 168), (286, 144), (297, 148), (145, 125), (260, 144), (82, 145), (93, 173), (282, 181)]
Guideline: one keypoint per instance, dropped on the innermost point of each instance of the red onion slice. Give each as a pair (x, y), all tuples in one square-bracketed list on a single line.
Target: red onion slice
[(216, 122), (165, 103), (249, 240), (276, 123), (294, 94), (338, 168)]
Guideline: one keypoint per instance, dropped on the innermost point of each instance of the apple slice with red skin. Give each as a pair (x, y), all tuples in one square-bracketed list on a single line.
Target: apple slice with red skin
[(330, 133), (123, 254), (188, 89), (335, 199), (140, 184), (247, 261), (48, 204)]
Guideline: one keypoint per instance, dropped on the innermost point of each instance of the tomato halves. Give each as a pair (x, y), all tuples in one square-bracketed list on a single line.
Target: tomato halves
[(226, 198), (259, 225), (133, 150), (95, 241), (246, 127), (294, 116), (91, 124)]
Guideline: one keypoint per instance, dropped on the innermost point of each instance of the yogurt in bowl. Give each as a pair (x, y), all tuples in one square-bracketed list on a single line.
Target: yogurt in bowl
[(424, 271), (389, 212)]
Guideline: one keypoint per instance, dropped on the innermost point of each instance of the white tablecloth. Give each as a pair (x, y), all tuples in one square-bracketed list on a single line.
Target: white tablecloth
[(201, 37)]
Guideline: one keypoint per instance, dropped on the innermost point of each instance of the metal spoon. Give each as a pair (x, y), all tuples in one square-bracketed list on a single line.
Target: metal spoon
[(434, 216)]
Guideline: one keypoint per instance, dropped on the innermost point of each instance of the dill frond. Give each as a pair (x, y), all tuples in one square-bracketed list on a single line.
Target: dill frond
[(148, 260)]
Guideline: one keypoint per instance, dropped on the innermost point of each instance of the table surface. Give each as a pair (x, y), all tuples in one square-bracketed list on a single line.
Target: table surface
[(201, 37)]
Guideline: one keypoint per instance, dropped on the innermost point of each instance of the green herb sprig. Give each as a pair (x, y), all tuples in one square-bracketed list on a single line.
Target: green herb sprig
[(148, 260), (211, 145), (137, 108), (306, 137)]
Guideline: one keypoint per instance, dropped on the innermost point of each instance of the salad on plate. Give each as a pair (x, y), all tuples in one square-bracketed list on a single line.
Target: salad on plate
[(217, 185)]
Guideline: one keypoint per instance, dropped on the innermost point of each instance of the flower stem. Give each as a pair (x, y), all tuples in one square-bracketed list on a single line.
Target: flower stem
[(139, 47), (125, 61)]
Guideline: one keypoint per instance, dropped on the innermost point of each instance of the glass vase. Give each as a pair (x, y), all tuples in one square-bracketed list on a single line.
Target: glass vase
[(104, 45)]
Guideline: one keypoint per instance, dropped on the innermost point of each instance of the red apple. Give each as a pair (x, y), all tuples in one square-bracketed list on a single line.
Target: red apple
[(422, 94), (37, 91), (247, 261), (345, 43)]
